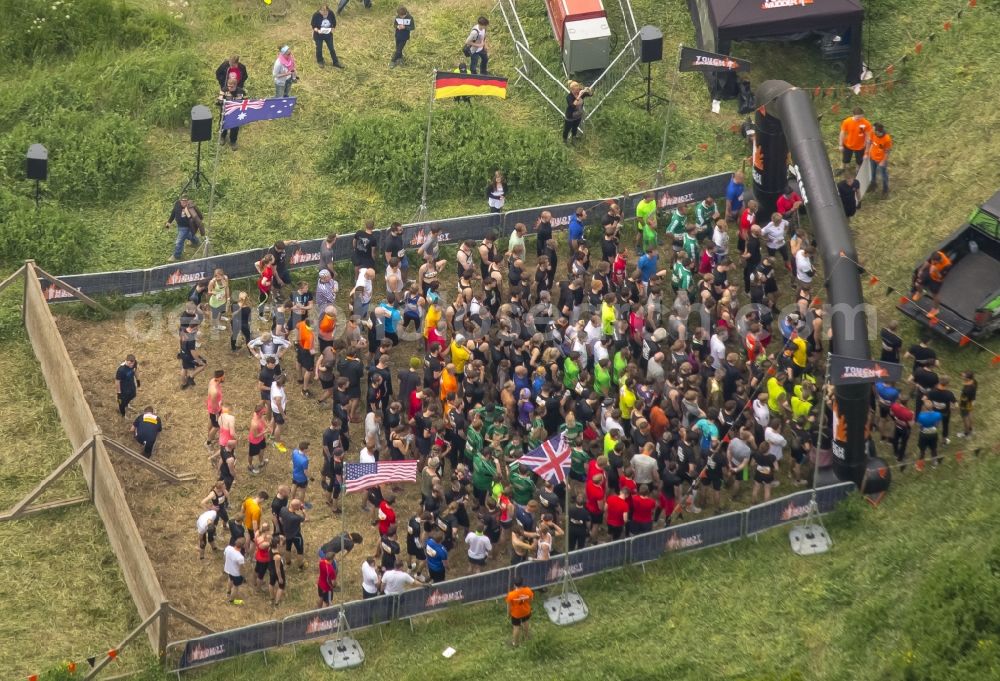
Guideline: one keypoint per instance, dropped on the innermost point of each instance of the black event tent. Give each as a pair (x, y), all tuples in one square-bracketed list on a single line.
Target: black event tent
[(719, 22)]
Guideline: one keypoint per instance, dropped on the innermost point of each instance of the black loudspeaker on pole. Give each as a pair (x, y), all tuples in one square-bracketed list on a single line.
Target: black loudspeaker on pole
[(37, 167)]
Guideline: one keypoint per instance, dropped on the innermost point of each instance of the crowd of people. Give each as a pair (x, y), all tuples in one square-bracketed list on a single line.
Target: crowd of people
[(679, 363)]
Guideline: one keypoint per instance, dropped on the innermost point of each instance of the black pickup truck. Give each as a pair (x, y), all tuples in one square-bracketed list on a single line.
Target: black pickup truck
[(970, 292)]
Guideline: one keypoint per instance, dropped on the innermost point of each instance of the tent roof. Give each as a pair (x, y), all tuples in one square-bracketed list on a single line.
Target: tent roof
[(735, 19)]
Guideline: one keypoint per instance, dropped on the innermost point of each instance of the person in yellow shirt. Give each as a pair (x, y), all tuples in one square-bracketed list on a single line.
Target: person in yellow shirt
[(433, 314), (460, 355), (251, 512), (879, 146), (608, 317), (855, 132), (626, 399), (777, 396)]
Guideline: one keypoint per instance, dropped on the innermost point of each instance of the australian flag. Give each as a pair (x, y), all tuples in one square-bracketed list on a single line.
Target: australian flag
[(237, 113)]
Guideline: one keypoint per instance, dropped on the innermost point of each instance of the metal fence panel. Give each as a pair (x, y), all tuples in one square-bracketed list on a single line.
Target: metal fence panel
[(684, 192), (471, 589), (224, 645), (126, 282), (794, 506), (588, 561), (699, 534)]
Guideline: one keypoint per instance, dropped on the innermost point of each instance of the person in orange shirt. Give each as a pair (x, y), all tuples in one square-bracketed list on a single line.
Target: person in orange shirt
[(930, 276), (879, 146), (327, 326), (519, 605), (305, 350), (855, 132), (449, 383)]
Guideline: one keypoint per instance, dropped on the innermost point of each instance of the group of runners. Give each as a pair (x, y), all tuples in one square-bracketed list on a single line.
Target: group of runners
[(678, 362)]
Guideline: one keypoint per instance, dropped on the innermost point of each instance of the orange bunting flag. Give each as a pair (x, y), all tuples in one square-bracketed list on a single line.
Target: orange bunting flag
[(703, 146), (919, 465), (918, 48), (817, 301), (947, 25), (932, 320), (873, 281), (889, 69), (959, 456), (771, 371), (903, 300), (995, 360), (113, 654), (817, 91), (972, 3), (33, 677), (965, 340), (882, 472), (672, 166), (71, 667)]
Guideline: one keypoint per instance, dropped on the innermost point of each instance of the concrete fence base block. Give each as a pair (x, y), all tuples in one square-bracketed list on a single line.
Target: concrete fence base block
[(567, 608), (342, 653), (808, 540)]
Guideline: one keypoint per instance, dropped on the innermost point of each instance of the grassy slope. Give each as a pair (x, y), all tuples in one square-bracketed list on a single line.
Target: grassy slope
[(942, 167)]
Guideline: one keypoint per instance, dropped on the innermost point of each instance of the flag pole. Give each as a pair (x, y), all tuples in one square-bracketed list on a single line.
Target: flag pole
[(343, 651), (422, 211), (666, 124)]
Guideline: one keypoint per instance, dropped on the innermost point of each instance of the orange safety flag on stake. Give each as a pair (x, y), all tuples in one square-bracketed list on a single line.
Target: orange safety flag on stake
[(972, 3)]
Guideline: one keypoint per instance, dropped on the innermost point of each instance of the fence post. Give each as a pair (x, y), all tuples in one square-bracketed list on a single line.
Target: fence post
[(29, 271), (164, 631), (93, 467)]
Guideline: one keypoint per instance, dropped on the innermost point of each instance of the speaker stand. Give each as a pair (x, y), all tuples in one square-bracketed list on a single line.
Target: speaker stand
[(38, 193), (197, 176), (649, 96)]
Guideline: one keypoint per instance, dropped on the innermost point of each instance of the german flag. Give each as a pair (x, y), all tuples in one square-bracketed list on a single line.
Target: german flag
[(450, 84)]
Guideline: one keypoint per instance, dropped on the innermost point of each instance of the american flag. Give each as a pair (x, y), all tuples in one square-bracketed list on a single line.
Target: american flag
[(550, 461), (237, 113), (364, 475)]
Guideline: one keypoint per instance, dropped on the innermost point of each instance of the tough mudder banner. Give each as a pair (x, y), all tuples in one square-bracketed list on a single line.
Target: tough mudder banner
[(699, 60), (845, 370), (794, 507), (687, 537), (228, 644)]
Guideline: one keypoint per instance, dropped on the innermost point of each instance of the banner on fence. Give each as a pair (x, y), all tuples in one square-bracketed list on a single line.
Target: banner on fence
[(481, 587), (306, 253), (794, 507), (582, 563), (687, 537), (228, 644), (325, 622)]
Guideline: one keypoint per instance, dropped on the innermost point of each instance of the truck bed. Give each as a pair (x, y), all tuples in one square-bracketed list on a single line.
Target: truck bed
[(969, 282)]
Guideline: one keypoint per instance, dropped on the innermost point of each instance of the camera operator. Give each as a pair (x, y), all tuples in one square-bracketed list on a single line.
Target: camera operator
[(574, 109), (233, 91)]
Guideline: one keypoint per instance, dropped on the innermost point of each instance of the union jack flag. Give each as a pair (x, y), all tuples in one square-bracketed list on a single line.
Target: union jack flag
[(551, 461), (237, 113)]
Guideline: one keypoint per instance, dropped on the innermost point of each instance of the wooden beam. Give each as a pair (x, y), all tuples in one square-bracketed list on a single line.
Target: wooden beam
[(75, 292), (10, 280), (19, 508), (47, 506), (128, 639), (150, 465), (201, 626)]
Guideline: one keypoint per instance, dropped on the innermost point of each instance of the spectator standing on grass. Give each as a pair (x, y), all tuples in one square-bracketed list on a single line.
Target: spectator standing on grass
[(233, 568), (850, 194), (146, 428), (283, 72), (519, 607), (323, 23), (475, 47), (734, 195), (403, 26), (343, 3), (126, 383), (231, 92), (574, 110), (855, 131), (879, 146), (231, 68), (188, 217), (496, 193)]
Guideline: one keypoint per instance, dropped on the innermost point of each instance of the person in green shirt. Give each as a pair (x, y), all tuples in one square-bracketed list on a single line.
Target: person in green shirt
[(571, 371), (680, 275), (484, 472), (523, 486), (608, 315), (578, 460), (602, 376), (678, 220), (705, 215), (474, 438), (648, 234), (571, 428), (622, 358), (645, 208), (611, 440), (689, 243)]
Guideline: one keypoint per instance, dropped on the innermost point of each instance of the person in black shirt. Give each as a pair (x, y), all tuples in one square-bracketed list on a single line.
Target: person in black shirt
[(394, 248), (231, 91), (229, 68), (765, 468), (268, 373), (146, 428), (941, 400), (579, 524), (188, 217), (891, 343), (282, 275), (365, 247), (126, 383), (292, 516), (404, 26), (751, 256), (390, 549), (922, 355), (967, 402), (543, 231), (849, 189), (323, 23), (574, 110)]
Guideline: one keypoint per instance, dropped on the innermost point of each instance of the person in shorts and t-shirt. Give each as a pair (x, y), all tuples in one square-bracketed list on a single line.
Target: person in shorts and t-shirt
[(233, 569)]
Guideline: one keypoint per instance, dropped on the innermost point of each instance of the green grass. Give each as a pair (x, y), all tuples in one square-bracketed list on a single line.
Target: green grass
[(888, 603)]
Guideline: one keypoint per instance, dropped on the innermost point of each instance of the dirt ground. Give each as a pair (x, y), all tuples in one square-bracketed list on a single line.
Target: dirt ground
[(166, 513)]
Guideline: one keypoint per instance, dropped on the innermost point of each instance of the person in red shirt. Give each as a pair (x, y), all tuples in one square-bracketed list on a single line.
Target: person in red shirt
[(752, 343), (265, 267), (618, 512), (643, 507), (748, 218), (327, 580), (594, 491), (788, 203), (386, 515), (902, 418)]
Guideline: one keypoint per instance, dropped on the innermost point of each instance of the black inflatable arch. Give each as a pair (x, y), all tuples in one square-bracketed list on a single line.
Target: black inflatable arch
[(786, 123)]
